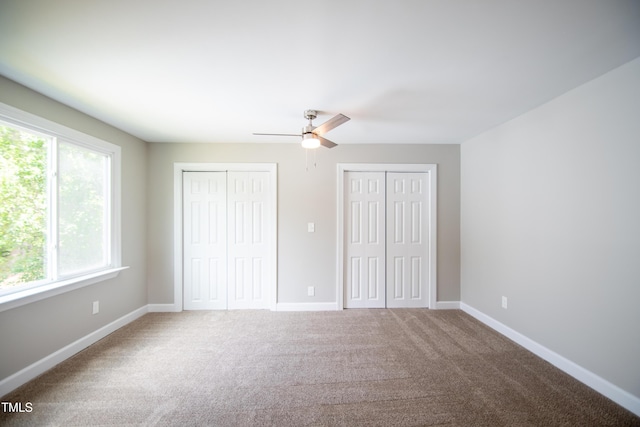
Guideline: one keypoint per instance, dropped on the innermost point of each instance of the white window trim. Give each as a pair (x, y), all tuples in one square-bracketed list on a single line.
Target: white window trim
[(27, 120), (49, 290)]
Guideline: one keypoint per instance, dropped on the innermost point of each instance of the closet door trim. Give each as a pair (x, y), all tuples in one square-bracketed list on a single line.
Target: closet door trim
[(178, 169), (432, 183)]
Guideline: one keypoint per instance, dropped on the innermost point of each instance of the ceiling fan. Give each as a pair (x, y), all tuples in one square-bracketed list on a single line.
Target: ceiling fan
[(311, 135)]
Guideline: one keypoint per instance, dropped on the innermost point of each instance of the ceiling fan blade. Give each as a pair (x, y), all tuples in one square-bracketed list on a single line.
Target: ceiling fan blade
[(326, 143), (279, 134), (330, 124)]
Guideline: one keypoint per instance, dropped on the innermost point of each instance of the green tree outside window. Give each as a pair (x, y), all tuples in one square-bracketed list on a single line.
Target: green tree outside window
[(23, 207)]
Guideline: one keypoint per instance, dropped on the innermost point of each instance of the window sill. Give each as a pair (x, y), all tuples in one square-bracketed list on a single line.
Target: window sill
[(28, 296)]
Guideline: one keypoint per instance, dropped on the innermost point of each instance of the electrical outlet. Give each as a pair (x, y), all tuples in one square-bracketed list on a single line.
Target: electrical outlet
[(311, 227), (96, 307), (504, 302), (311, 291)]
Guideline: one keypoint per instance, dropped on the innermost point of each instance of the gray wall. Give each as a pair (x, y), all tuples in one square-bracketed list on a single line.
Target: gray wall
[(33, 331), (302, 197), (551, 219)]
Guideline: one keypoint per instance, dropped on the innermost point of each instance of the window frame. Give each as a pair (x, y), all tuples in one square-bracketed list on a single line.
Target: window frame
[(38, 125)]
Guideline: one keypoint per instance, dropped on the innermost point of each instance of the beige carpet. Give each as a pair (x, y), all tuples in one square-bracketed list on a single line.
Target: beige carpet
[(354, 367)]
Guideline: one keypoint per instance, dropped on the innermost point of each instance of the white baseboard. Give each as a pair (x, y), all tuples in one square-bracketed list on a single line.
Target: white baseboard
[(306, 306), (14, 381), (447, 305), (163, 308), (332, 306), (281, 306), (599, 384)]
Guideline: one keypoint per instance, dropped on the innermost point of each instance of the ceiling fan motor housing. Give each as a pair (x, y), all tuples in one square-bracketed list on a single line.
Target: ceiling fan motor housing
[(308, 129), (309, 115)]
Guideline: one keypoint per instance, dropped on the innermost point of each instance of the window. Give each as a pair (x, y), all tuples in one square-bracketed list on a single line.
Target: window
[(59, 206)]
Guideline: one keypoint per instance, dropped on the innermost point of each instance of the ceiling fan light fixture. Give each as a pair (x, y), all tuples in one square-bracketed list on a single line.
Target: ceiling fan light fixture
[(309, 140), (312, 136)]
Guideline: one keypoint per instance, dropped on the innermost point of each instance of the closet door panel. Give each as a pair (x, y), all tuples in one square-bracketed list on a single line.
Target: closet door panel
[(407, 240), (365, 237), (204, 240), (248, 243)]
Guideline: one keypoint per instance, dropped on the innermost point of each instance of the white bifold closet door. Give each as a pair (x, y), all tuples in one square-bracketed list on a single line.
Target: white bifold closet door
[(248, 248), (365, 240), (407, 240), (205, 240), (226, 252), (386, 249)]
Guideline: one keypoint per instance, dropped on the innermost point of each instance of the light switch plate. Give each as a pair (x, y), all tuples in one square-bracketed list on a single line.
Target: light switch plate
[(311, 227)]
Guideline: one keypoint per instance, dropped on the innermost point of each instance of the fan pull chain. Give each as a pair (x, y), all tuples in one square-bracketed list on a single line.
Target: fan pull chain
[(306, 159)]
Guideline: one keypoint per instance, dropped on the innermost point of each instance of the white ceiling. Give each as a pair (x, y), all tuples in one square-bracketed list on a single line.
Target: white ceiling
[(405, 71)]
